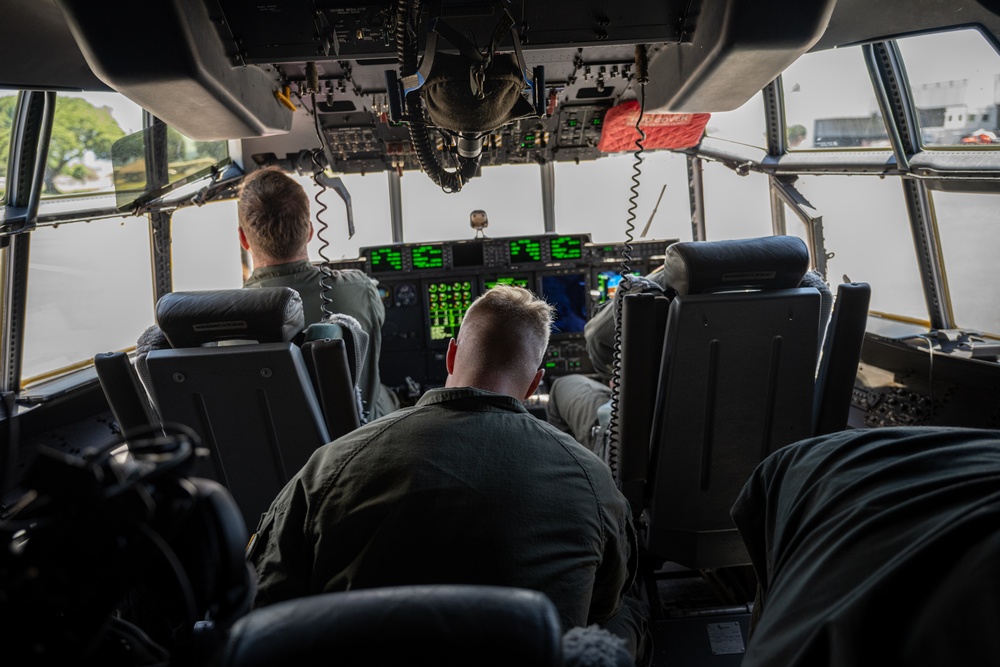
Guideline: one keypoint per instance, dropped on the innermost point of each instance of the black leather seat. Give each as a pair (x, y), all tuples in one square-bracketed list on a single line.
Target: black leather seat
[(711, 383), (448, 625), (235, 375)]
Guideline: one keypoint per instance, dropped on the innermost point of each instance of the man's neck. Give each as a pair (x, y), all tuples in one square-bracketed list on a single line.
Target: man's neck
[(264, 261), (492, 383)]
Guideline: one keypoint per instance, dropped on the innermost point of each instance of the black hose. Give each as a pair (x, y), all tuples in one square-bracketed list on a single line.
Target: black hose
[(406, 52)]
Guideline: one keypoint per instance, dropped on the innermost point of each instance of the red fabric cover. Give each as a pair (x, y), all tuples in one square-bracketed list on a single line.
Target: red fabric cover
[(663, 130)]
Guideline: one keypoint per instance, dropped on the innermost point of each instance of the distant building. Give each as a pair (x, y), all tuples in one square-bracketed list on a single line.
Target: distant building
[(944, 116), (947, 119), (849, 132)]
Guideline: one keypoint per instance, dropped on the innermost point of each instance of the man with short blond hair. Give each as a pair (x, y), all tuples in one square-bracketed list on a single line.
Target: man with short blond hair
[(275, 227), (501, 343), (465, 487)]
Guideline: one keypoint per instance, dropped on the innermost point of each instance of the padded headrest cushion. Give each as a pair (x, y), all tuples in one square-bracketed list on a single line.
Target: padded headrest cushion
[(443, 625), (266, 315), (769, 262)]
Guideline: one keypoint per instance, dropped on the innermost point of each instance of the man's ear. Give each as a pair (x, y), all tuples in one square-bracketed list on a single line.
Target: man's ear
[(449, 358), (243, 239), (311, 231), (534, 383)]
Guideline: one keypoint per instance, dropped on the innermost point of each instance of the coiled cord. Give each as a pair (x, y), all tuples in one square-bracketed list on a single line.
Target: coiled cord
[(611, 450), (326, 281)]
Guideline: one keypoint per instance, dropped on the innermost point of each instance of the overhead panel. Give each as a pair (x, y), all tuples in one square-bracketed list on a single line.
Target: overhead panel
[(283, 31)]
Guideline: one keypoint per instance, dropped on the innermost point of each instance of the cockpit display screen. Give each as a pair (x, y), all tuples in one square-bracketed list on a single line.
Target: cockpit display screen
[(447, 302), (565, 247), (607, 284), (525, 250), (465, 255), (427, 257), (386, 259), (567, 293), (517, 281)]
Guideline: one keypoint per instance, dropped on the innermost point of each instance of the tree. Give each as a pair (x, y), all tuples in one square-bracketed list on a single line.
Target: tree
[(78, 127), (7, 105), (795, 134)]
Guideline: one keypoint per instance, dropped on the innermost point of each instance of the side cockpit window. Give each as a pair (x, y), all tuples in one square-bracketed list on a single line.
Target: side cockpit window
[(8, 102), (84, 129), (89, 276), (830, 103), (955, 83), (89, 291)]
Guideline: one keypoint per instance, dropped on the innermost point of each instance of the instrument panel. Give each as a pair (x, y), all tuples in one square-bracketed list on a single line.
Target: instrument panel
[(427, 287)]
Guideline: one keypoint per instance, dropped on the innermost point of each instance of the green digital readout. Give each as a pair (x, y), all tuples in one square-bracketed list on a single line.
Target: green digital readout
[(386, 259), (525, 250), (446, 306), (427, 257), (565, 247), (517, 281)]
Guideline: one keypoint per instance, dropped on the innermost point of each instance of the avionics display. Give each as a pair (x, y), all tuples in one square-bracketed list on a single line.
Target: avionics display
[(386, 259), (518, 281), (446, 306), (427, 257), (565, 247), (525, 250), (607, 284), (465, 255), (567, 292)]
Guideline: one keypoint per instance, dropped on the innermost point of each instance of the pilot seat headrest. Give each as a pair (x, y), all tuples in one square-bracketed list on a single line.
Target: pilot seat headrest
[(765, 263), (264, 315), (434, 624)]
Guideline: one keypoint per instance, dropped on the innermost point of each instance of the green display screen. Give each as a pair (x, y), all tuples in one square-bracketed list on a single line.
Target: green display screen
[(525, 250), (386, 259), (427, 257), (517, 281), (446, 306), (565, 247)]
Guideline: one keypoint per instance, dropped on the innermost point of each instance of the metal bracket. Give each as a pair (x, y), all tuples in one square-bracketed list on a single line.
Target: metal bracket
[(784, 188), (337, 185)]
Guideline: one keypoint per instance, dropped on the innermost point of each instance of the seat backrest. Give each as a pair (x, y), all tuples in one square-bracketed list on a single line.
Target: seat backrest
[(334, 331), (448, 626), (735, 382), (129, 403), (252, 405), (336, 393), (838, 366)]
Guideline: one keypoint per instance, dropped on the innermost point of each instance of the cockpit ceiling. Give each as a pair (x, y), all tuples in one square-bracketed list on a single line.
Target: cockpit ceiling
[(287, 31), (40, 51), (227, 57)]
